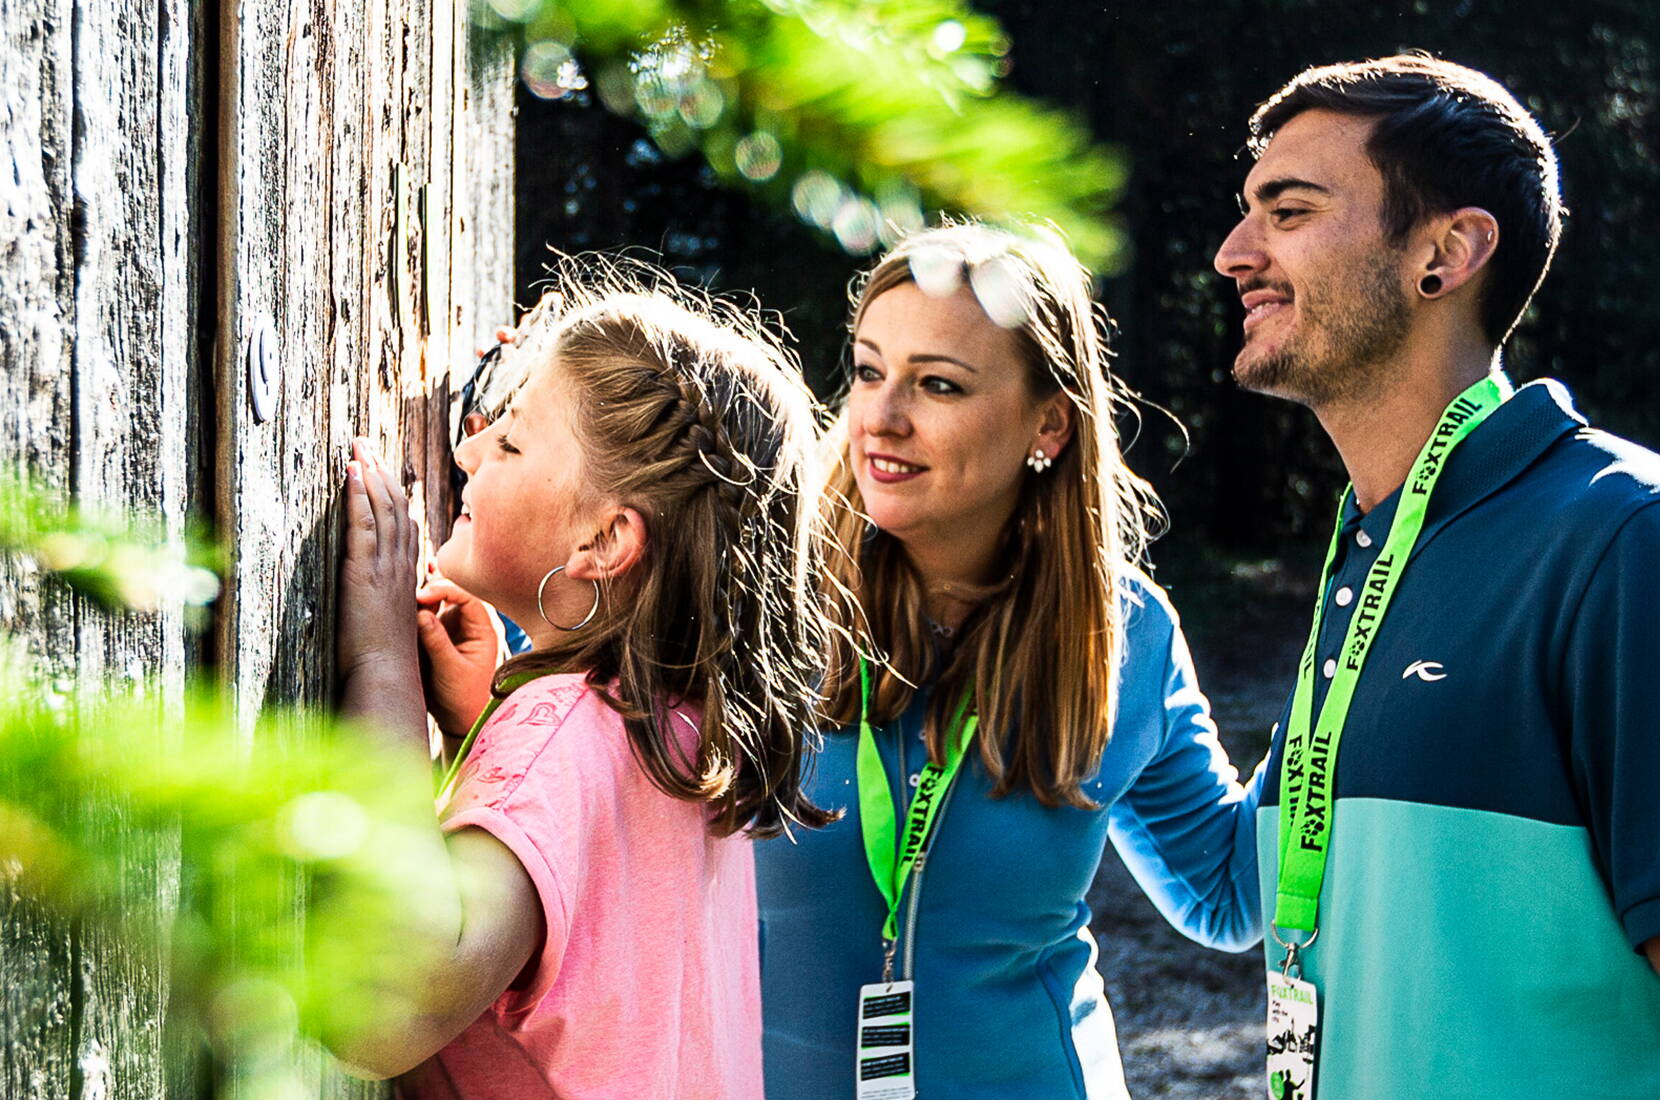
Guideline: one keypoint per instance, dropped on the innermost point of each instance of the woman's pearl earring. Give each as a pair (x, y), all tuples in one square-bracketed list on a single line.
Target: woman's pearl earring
[(1039, 461)]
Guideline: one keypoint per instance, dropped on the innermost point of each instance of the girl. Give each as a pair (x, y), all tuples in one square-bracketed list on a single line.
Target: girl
[(645, 508), (1038, 700)]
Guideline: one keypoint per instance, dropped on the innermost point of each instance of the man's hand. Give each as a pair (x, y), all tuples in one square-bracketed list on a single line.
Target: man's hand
[(461, 646), (1652, 950)]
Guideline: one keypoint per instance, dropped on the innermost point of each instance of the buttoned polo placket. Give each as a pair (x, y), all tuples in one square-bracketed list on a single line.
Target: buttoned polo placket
[(1358, 547)]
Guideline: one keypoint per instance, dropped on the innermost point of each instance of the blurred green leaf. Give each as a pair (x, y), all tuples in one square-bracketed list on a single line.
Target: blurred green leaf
[(898, 103), (315, 878), (119, 562)]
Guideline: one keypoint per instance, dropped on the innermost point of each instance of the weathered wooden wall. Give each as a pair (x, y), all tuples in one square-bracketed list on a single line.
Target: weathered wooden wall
[(97, 362), (366, 204), (178, 175)]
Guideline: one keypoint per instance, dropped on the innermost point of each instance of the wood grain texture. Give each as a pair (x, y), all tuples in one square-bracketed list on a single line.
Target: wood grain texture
[(359, 202), (37, 306), (343, 119), (131, 369), (97, 314)]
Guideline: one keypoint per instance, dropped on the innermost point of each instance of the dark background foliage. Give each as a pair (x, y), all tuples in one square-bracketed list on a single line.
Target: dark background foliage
[(1170, 87)]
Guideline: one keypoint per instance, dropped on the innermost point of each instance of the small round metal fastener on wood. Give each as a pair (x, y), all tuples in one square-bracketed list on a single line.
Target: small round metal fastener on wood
[(262, 369)]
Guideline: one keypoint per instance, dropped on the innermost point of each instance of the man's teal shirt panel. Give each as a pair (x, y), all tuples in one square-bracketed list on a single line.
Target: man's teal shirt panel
[(1472, 955)]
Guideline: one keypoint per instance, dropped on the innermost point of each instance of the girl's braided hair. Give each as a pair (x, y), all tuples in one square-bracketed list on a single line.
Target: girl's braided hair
[(691, 410)]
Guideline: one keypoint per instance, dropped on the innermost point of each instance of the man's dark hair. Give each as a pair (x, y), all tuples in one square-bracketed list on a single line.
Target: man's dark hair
[(1445, 137)]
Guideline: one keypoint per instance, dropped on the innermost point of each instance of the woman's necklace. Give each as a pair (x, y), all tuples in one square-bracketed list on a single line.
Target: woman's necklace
[(939, 629)]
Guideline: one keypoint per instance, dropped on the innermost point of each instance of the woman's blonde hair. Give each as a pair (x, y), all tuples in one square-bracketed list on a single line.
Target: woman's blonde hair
[(691, 410), (1042, 648)]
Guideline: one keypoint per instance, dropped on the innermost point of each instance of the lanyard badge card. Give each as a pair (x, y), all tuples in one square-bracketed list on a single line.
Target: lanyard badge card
[(1293, 1032), (885, 1067), (1308, 765)]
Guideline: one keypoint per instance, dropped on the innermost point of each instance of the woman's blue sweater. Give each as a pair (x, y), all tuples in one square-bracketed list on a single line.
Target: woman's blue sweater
[(995, 930)]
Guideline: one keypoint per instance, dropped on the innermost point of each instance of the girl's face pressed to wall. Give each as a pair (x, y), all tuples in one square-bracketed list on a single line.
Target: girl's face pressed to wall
[(939, 416), (525, 500)]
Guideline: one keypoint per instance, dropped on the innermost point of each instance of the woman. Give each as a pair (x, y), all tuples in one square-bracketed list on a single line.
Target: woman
[(996, 575)]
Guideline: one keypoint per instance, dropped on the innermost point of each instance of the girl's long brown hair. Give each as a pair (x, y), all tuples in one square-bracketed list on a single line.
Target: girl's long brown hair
[(691, 411), (1043, 646)]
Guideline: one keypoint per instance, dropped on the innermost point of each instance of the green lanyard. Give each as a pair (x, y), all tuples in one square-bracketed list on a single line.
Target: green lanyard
[(889, 864), (447, 787), (1310, 756)]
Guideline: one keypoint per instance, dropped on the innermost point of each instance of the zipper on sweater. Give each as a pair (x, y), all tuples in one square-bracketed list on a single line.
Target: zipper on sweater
[(917, 870)]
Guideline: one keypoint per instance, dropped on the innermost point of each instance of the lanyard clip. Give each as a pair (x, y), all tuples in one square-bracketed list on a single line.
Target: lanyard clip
[(1292, 967), (887, 961)]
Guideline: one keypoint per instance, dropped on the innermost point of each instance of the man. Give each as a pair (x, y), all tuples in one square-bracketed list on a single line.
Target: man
[(1460, 828)]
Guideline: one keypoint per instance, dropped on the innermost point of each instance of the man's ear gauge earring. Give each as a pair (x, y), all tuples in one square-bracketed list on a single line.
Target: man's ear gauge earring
[(1039, 461), (1429, 286)]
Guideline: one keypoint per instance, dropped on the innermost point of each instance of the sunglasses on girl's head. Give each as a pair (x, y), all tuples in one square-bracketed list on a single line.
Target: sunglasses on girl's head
[(473, 394), (470, 401)]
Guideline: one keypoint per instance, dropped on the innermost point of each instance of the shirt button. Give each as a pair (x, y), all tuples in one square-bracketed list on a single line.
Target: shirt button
[(1345, 596), (1362, 539), (1330, 668), (916, 777)]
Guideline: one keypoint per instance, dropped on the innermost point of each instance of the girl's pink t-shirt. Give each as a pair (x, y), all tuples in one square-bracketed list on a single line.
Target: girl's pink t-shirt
[(648, 984)]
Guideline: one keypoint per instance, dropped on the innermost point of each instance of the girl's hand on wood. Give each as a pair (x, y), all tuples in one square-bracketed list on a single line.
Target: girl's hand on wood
[(377, 570), (461, 645)]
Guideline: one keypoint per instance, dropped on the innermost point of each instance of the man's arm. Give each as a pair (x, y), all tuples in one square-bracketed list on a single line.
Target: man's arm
[(1609, 668)]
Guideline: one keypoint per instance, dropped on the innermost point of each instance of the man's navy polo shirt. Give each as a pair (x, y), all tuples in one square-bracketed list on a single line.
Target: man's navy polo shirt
[(1495, 856)]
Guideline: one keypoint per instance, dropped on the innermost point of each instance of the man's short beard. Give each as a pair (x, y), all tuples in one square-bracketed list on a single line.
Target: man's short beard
[(1364, 325)]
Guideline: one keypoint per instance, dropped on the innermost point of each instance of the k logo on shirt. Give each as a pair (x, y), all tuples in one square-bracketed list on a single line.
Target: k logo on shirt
[(1427, 671)]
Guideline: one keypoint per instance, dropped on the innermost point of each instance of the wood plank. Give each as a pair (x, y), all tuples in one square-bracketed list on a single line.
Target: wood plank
[(481, 228), (484, 226), (267, 48), (340, 118), (99, 388), (36, 317), (131, 367)]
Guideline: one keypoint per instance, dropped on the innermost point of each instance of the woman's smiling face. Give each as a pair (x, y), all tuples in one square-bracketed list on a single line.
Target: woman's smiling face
[(940, 417)]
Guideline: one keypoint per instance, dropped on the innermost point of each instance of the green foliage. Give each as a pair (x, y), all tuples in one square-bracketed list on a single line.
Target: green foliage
[(283, 819), (111, 560), (857, 114), (312, 876)]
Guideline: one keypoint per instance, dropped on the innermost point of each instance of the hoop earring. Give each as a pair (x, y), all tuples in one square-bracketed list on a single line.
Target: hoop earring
[(586, 619), (1039, 461), (1429, 286)]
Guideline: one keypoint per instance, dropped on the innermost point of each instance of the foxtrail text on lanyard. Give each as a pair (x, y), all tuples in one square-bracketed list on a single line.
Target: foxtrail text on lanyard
[(891, 862), (1309, 762)]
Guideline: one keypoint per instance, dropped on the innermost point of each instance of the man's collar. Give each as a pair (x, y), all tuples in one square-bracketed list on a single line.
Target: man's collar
[(1492, 456)]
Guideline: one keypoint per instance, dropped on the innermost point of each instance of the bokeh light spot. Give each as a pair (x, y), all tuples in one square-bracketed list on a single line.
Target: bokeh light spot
[(949, 36), (550, 72), (702, 104), (817, 196), (759, 156), (855, 225), (519, 11), (322, 825)]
